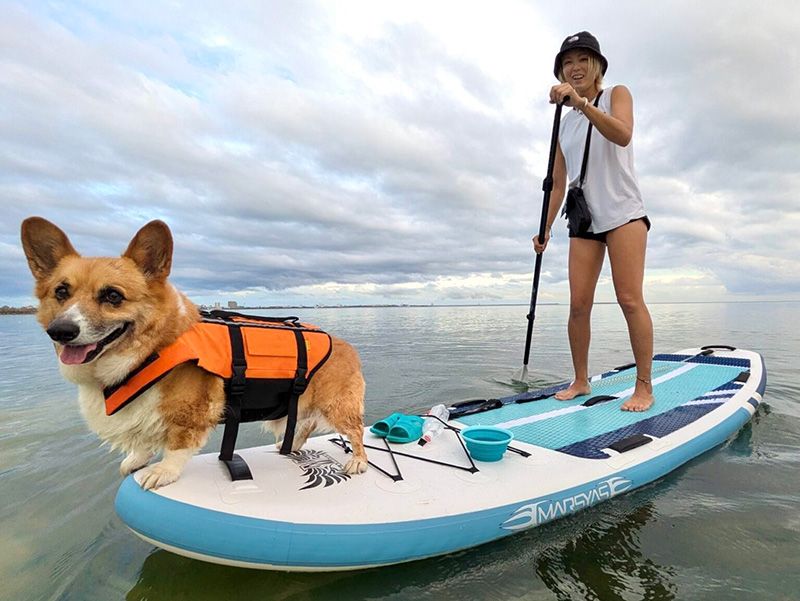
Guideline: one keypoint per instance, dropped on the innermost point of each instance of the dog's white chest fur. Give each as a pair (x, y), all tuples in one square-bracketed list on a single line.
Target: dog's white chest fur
[(136, 426)]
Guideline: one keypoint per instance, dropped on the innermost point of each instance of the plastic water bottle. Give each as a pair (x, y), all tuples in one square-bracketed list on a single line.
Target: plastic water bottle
[(432, 427)]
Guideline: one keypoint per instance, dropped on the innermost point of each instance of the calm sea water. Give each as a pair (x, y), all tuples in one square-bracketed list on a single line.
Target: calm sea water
[(725, 526)]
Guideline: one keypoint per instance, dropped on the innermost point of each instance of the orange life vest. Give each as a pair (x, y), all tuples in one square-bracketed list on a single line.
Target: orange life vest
[(266, 363), (271, 353)]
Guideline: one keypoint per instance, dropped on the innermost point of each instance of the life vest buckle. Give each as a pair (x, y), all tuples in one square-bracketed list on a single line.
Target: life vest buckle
[(238, 379), (300, 382)]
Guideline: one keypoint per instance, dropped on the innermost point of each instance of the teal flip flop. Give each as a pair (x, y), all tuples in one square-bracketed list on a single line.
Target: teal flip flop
[(381, 428), (407, 429)]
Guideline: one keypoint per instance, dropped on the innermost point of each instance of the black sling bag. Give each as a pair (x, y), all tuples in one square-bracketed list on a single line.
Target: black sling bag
[(576, 210)]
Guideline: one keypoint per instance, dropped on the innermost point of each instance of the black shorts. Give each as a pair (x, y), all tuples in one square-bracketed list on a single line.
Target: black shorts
[(602, 236)]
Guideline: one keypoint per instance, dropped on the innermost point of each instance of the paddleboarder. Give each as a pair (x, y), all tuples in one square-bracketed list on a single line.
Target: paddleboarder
[(619, 223)]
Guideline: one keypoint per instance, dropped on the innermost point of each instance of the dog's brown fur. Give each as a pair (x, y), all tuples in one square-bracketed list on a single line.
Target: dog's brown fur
[(176, 415)]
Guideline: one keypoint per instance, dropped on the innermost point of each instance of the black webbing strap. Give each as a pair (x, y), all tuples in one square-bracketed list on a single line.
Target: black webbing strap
[(298, 387), (586, 147), (233, 408), (472, 468), (348, 448)]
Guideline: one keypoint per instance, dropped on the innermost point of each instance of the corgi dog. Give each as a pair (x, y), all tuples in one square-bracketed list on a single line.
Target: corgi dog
[(106, 316)]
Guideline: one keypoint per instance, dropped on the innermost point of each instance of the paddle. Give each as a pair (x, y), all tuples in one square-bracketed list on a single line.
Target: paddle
[(547, 186)]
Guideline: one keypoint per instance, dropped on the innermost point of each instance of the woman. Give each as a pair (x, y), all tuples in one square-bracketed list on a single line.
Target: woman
[(619, 223)]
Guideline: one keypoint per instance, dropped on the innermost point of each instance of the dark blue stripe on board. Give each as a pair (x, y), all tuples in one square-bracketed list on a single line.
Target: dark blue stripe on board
[(668, 357), (713, 360), (721, 397), (708, 359), (658, 426), (732, 385)]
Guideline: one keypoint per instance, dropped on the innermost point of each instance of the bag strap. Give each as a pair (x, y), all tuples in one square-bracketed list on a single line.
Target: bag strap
[(588, 141)]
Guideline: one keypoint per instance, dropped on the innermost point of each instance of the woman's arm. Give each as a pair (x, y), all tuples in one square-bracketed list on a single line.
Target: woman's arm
[(616, 127), (559, 187)]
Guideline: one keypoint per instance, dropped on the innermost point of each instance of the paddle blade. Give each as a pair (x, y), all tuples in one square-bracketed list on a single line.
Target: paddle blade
[(521, 376)]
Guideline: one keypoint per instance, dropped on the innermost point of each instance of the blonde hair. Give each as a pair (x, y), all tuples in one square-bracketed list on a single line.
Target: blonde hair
[(595, 68)]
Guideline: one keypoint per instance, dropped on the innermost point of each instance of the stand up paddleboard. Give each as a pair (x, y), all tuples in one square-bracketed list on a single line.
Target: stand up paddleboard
[(301, 512)]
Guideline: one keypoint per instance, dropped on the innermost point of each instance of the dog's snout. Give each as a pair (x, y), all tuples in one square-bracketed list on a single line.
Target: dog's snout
[(63, 331)]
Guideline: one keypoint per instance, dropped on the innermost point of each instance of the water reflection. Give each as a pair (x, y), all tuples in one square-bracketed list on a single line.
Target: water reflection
[(605, 562), (743, 443), (165, 576), (594, 555)]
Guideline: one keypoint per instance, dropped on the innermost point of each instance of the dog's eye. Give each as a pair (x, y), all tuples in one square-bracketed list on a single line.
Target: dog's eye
[(62, 292), (111, 296)]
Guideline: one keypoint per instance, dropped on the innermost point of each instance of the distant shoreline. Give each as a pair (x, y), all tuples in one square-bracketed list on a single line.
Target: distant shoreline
[(6, 310), (376, 306)]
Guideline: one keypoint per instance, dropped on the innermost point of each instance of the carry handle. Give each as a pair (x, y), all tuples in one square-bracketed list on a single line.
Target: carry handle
[(718, 346)]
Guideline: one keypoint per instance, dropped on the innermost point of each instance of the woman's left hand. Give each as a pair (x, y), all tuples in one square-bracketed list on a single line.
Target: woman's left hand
[(539, 247), (563, 90)]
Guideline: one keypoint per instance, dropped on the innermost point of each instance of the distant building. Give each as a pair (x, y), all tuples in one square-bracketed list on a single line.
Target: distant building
[(217, 305), (233, 305)]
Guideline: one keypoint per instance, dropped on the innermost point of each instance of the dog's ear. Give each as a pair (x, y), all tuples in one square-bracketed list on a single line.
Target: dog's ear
[(44, 245), (151, 250)]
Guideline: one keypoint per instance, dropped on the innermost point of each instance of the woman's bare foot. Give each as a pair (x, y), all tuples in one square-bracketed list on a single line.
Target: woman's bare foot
[(642, 398), (575, 389), (638, 403)]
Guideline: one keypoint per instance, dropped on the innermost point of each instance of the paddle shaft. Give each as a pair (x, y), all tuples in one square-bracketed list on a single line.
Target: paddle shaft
[(547, 187)]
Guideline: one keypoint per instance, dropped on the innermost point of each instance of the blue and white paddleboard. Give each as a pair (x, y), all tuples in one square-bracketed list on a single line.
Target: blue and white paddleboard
[(300, 512)]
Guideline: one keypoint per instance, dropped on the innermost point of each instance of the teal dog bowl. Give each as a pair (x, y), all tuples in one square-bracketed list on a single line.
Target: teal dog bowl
[(486, 443)]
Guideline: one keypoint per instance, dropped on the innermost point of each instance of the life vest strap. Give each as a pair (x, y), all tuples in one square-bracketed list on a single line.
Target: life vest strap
[(237, 467), (233, 408), (146, 375), (298, 387)]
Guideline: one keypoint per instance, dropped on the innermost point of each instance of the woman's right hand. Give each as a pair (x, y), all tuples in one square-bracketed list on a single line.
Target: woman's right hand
[(562, 91), (539, 247)]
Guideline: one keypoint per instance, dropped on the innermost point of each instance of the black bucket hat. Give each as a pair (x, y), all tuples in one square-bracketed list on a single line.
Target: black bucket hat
[(582, 39)]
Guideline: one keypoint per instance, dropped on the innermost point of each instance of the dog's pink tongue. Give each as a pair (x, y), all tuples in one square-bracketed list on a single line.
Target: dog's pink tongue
[(75, 355)]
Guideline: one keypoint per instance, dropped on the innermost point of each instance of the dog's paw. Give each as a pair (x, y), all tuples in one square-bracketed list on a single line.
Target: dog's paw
[(157, 475), (134, 461), (355, 466)]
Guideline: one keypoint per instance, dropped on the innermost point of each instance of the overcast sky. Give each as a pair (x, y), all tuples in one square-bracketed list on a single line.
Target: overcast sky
[(393, 152)]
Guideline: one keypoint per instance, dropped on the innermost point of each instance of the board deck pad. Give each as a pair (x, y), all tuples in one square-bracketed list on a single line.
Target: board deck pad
[(680, 387)]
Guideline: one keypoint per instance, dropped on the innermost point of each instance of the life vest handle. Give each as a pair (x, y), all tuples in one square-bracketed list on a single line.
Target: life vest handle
[(228, 316)]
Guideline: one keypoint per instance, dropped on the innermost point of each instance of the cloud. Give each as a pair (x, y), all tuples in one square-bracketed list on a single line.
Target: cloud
[(349, 151)]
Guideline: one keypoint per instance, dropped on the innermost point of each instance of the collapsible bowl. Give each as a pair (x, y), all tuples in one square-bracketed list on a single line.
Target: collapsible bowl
[(486, 443)]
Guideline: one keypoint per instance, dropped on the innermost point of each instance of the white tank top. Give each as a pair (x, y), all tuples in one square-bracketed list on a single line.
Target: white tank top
[(611, 188)]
